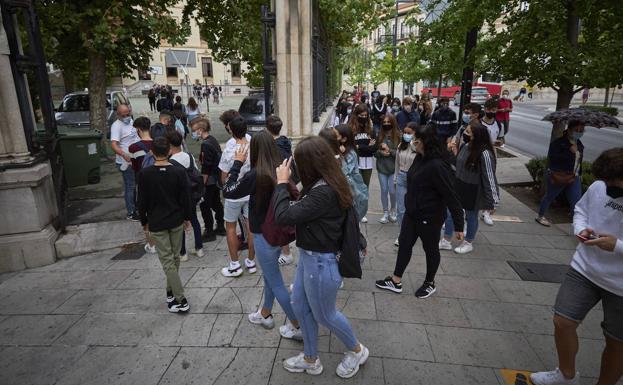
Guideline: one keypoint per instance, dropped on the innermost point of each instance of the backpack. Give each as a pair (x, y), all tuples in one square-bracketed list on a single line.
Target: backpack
[(148, 158), (352, 242), (196, 179), (278, 235), (186, 130)]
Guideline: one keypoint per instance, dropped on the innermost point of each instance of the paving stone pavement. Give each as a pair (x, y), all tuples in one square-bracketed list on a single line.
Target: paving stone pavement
[(92, 320)]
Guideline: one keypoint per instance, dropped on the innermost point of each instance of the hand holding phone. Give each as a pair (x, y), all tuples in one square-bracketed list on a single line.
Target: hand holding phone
[(584, 238)]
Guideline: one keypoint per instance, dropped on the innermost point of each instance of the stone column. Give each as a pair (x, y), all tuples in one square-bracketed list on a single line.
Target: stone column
[(27, 199), (293, 91)]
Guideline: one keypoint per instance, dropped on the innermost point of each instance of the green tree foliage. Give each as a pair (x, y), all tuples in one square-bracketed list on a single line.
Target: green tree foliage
[(233, 30), (91, 36)]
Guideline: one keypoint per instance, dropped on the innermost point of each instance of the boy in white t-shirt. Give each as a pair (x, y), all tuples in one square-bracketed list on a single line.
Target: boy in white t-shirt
[(238, 129), (595, 275)]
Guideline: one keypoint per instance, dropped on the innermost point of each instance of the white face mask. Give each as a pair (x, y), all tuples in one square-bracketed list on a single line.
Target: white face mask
[(504, 96)]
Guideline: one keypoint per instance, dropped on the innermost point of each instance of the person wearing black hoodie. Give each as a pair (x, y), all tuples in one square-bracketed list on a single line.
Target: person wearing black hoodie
[(430, 189), (365, 142)]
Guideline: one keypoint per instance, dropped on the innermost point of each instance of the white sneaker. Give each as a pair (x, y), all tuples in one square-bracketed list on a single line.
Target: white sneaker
[(232, 270), (285, 259), (445, 244), (199, 253), (297, 364), (289, 331), (396, 243), (150, 249), (464, 248), (393, 217), (258, 319), (555, 377), (250, 264), (364, 220), (385, 218), (351, 361), (486, 218), (183, 257)]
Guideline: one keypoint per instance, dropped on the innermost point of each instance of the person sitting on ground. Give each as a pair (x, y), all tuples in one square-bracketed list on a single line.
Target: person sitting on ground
[(595, 274), (564, 169), (186, 161), (165, 210)]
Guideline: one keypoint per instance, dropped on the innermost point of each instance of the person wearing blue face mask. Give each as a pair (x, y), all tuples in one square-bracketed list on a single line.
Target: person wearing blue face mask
[(122, 135), (405, 154), (564, 171)]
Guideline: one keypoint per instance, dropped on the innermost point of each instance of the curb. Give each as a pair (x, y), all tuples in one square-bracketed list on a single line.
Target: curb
[(98, 236)]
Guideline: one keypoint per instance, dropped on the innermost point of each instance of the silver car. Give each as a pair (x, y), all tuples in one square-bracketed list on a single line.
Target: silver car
[(74, 109)]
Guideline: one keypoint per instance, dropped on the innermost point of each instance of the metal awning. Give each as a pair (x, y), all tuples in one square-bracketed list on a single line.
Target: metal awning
[(179, 58)]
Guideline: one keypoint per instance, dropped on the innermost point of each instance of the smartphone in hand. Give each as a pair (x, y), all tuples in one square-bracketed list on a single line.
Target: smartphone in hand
[(588, 238)]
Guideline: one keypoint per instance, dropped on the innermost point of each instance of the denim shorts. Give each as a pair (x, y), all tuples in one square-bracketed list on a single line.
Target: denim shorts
[(578, 295), (233, 210)]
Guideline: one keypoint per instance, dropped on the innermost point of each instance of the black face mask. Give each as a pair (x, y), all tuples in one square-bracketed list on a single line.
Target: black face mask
[(490, 114), (466, 138), (387, 127), (614, 191), (362, 120)]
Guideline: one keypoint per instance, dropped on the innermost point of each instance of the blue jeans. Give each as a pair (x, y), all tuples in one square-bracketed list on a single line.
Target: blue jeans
[(572, 191), (313, 300), (387, 187), (129, 185), (471, 221), (267, 256), (401, 191), (196, 232)]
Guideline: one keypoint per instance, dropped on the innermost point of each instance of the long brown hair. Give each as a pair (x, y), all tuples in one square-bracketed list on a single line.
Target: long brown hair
[(314, 161), (394, 133), (329, 136), (480, 141), (265, 158), (192, 103), (353, 122)]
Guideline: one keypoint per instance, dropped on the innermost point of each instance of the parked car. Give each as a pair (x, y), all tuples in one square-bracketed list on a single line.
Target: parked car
[(252, 110), (479, 95), (74, 109)]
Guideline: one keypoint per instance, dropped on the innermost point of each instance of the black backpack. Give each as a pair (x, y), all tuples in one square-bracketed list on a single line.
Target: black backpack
[(195, 178), (348, 258)]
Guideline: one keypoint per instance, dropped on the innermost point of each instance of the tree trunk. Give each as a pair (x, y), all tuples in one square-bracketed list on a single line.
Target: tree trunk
[(563, 101), (606, 97), (439, 88), (97, 92), (69, 80)]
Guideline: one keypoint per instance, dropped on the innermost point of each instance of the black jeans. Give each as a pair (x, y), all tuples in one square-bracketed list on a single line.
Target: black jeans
[(212, 202), (410, 231)]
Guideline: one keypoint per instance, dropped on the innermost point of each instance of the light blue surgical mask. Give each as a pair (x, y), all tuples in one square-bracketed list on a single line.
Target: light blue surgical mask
[(195, 135), (466, 119), (407, 137), (127, 120), (577, 135)]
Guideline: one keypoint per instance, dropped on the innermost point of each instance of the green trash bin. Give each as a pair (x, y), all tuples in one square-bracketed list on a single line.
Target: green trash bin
[(81, 152)]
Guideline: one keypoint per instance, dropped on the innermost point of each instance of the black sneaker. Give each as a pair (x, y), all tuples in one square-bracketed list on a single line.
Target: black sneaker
[(389, 284), (220, 230), (208, 237), (133, 217), (176, 307), (426, 290), (170, 297)]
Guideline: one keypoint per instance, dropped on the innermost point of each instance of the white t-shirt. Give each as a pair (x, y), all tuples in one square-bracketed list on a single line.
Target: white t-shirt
[(603, 214), (183, 158), (125, 134), (493, 129), (227, 161)]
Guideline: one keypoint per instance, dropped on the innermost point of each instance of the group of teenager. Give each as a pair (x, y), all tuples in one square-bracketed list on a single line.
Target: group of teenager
[(428, 181)]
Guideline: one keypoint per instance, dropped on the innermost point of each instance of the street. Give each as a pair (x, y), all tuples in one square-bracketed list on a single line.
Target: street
[(530, 135)]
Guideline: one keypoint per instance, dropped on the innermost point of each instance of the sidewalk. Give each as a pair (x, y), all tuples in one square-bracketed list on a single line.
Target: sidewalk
[(94, 320)]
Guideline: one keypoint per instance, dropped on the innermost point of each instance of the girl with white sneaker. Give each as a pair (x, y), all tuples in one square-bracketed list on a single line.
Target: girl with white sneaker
[(259, 184), (388, 140), (476, 185), (318, 217)]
